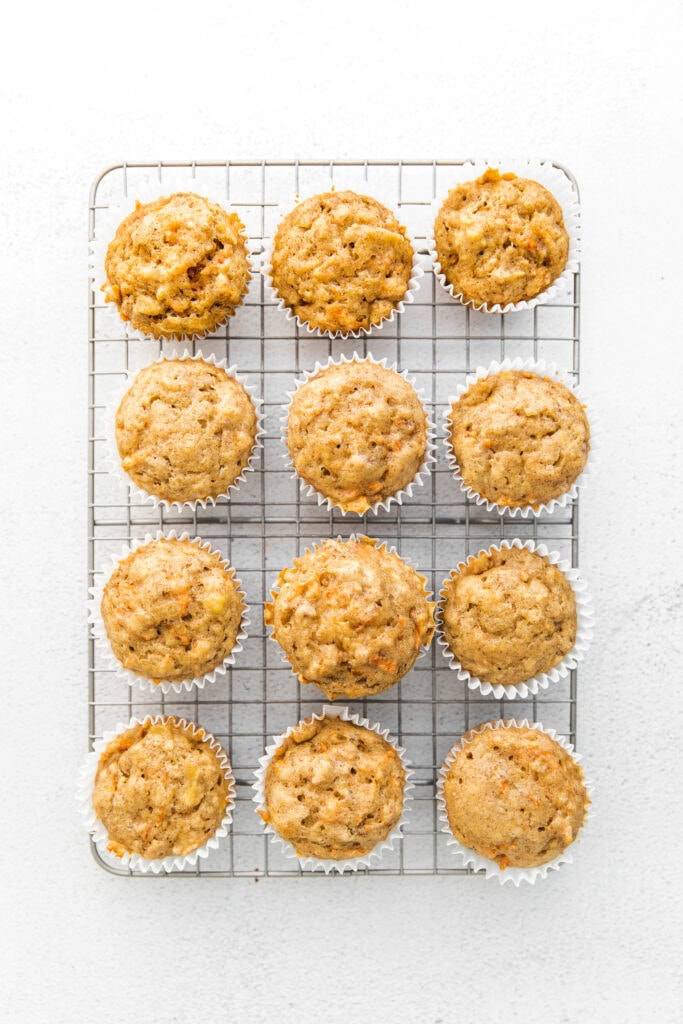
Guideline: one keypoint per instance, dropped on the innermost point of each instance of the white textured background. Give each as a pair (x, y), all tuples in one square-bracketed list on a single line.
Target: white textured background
[(84, 86)]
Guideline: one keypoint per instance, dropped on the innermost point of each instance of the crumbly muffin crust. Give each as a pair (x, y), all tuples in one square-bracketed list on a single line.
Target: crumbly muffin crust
[(350, 617), (357, 433), (519, 439), (171, 610), (501, 239), (334, 789), (185, 430), (159, 791), (341, 261), (508, 615), (178, 265), (515, 796)]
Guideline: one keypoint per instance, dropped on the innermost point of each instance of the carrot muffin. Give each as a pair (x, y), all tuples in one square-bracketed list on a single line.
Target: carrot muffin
[(519, 439), (178, 265), (185, 430), (159, 790), (500, 239), (508, 615), (350, 617), (334, 790), (341, 261), (515, 796), (357, 433), (171, 610)]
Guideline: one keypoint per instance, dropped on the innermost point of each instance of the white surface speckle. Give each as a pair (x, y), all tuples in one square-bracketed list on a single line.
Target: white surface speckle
[(84, 86)]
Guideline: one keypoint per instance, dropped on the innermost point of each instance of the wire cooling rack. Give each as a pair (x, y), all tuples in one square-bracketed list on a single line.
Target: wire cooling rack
[(268, 522)]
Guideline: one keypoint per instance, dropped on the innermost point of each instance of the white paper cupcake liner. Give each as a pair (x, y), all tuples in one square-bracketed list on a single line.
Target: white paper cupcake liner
[(100, 836), (474, 860), (541, 369), (423, 472), (108, 221), (584, 629), (559, 184), (99, 632), (112, 453), (329, 865), (379, 545), (266, 269)]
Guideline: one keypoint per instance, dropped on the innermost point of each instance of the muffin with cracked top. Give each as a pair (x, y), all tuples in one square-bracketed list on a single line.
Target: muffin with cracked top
[(341, 261), (500, 239), (351, 617), (177, 266)]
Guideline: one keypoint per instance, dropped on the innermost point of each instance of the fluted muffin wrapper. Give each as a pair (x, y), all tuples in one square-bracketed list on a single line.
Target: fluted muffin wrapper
[(329, 865), (541, 369), (423, 472), (96, 828), (266, 269), (584, 628), (99, 631), (559, 184), (380, 545), (474, 860), (113, 457), (108, 221)]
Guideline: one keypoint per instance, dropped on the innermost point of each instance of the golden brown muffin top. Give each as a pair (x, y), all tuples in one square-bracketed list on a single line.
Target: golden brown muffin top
[(178, 265), (185, 430), (334, 789), (501, 239), (515, 796), (159, 791), (171, 610), (357, 433), (350, 617), (519, 439), (341, 261), (508, 615)]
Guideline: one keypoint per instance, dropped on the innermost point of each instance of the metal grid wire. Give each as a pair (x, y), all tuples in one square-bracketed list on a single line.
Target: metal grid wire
[(268, 522)]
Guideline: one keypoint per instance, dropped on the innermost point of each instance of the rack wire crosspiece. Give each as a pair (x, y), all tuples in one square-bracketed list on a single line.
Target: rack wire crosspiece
[(268, 521)]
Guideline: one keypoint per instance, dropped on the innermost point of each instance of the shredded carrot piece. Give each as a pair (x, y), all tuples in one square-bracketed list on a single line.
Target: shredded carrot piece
[(384, 663)]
